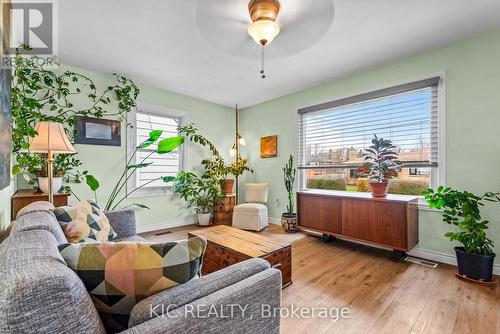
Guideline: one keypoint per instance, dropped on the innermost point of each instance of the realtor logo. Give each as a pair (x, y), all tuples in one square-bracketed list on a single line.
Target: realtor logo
[(32, 23)]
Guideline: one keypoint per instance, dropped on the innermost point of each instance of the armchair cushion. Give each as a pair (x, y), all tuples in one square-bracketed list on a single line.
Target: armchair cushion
[(118, 275)]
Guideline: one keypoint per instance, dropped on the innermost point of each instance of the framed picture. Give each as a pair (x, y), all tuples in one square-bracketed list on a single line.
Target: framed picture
[(97, 131), (269, 147), (5, 128)]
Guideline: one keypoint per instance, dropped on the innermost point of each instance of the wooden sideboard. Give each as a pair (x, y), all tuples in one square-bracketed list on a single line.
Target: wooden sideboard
[(390, 222), (24, 197)]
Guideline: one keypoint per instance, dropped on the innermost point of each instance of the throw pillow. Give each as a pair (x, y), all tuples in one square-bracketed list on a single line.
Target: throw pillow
[(119, 275), (84, 222)]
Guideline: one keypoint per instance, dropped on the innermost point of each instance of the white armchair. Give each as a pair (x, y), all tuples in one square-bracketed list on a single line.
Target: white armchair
[(252, 215)]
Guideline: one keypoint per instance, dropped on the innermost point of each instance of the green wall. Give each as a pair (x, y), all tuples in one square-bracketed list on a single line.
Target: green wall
[(107, 162), (472, 83)]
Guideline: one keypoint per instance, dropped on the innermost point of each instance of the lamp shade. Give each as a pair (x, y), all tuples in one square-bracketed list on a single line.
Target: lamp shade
[(264, 31), (51, 137)]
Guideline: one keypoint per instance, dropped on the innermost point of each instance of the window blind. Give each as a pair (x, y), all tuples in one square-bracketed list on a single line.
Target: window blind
[(334, 134), (162, 164)]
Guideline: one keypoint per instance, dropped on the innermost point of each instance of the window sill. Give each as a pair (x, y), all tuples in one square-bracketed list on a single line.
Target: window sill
[(152, 192)]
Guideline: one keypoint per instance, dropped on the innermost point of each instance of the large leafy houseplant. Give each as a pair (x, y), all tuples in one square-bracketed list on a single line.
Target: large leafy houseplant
[(199, 193), (289, 218), (462, 209), (215, 167), (40, 93), (381, 164), (119, 192)]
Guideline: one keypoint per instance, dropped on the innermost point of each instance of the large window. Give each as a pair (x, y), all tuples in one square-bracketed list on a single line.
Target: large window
[(333, 135), (143, 121)]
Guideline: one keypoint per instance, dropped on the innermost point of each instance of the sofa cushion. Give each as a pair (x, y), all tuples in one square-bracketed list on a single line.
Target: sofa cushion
[(119, 275), (84, 222), (38, 292)]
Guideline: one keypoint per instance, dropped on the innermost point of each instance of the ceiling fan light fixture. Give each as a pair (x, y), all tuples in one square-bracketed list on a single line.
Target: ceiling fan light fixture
[(263, 31)]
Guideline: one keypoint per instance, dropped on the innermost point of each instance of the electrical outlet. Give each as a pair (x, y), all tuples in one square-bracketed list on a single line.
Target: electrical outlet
[(278, 202)]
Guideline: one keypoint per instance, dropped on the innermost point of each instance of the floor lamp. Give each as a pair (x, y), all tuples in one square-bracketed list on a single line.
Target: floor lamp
[(50, 139), (235, 150)]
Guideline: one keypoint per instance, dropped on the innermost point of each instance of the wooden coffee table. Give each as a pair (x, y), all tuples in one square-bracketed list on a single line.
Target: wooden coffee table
[(228, 245)]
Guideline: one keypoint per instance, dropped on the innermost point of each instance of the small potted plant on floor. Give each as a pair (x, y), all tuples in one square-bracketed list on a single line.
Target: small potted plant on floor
[(381, 165), (199, 193), (461, 208), (289, 218)]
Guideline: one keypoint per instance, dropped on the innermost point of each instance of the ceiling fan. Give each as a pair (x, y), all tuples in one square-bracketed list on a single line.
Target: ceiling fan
[(290, 25)]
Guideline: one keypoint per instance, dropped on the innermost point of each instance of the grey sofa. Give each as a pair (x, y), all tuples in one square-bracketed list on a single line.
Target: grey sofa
[(40, 294)]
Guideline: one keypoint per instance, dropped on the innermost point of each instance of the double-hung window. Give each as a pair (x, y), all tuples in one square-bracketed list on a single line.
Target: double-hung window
[(143, 121), (333, 135)]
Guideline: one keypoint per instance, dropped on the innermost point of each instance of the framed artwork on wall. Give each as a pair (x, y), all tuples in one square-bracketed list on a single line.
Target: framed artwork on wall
[(269, 146), (97, 131), (5, 128)]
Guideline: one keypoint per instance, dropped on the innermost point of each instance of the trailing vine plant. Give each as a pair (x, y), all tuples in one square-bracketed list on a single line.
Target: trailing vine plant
[(44, 94)]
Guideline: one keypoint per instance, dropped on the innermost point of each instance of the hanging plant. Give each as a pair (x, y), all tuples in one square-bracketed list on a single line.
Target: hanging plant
[(43, 94)]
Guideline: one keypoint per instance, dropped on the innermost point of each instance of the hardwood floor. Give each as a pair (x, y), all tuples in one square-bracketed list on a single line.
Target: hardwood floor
[(383, 296)]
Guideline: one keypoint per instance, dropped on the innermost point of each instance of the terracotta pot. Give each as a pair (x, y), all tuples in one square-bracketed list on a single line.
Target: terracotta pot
[(289, 222), (227, 186), (379, 190)]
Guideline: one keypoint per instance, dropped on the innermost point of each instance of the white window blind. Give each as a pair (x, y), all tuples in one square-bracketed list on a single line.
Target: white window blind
[(334, 134), (162, 164)]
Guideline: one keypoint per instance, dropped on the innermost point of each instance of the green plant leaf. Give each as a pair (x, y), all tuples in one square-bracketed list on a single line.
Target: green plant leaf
[(16, 169), (168, 179), (142, 206), (169, 144), (155, 134), (137, 166), (92, 182)]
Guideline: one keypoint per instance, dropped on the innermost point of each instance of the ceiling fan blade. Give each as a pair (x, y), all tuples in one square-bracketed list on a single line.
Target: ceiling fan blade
[(225, 22)]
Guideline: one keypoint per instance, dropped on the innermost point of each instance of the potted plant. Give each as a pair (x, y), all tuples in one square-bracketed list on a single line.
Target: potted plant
[(199, 193), (461, 208), (236, 169), (381, 165), (289, 218), (216, 166)]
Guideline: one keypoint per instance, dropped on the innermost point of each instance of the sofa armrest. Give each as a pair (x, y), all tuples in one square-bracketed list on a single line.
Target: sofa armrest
[(122, 222), (248, 306), (198, 288)]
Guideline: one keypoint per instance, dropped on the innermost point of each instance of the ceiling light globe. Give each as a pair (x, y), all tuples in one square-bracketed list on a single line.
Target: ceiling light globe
[(242, 141), (264, 31)]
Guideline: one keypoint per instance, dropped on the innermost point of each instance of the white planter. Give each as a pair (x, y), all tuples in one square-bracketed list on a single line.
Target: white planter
[(43, 183), (204, 219)]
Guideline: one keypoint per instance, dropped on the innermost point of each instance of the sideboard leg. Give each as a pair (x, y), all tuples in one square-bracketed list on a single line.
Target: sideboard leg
[(327, 238)]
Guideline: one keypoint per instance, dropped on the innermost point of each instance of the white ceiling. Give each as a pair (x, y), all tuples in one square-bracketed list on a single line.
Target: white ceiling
[(169, 43)]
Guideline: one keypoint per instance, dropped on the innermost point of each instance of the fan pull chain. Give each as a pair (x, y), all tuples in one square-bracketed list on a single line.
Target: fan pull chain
[(262, 48)]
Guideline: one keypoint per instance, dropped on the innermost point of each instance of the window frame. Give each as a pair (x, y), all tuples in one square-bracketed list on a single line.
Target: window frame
[(132, 144), (438, 174)]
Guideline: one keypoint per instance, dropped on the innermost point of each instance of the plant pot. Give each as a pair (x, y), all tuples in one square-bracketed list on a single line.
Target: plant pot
[(204, 219), (227, 186), (289, 222), (379, 189), (43, 184), (477, 267)]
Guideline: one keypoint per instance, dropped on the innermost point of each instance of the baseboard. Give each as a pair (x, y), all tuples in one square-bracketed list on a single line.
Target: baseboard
[(168, 224), (443, 258), (275, 221)]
